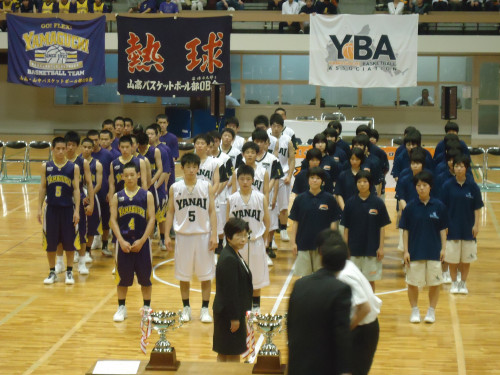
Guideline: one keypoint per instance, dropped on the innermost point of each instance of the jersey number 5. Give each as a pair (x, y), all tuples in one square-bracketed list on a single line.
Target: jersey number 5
[(58, 191), (192, 217)]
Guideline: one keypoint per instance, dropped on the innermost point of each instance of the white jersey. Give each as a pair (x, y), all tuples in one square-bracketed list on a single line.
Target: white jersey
[(286, 131), (272, 165), (258, 179), (225, 172), (238, 142), (232, 153), (207, 169), (252, 212), (191, 208), (272, 141), (282, 152)]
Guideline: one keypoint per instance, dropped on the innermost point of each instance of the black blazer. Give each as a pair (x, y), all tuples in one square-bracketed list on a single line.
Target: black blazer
[(234, 291), (319, 337)]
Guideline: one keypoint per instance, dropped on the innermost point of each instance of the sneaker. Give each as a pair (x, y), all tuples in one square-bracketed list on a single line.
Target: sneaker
[(301, 31), (82, 268), (97, 243), (205, 315), (271, 253), (274, 246), (76, 256), (454, 287), (284, 235), (462, 288), (120, 314), (415, 316), (51, 279), (88, 258), (107, 253), (162, 246), (113, 271), (69, 278), (431, 316), (446, 277), (269, 261), (59, 267), (186, 314), (156, 234), (256, 309)]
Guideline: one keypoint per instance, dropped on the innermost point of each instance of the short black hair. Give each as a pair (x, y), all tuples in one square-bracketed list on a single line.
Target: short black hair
[(280, 109), (359, 154), (58, 140), (161, 116), (72, 136), (137, 129), (108, 121), (154, 127), (409, 129), (244, 169), (250, 145), (314, 153), (203, 137), (331, 132), (423, 176), (126, 139), (131, 164), (260, 135), (190, 158), (319, 138), (87, 139), (417, 155), (451, 126), (374, 134), (361, 139), (464, 159), (333, 249), (413, 137), (452, 144), (215, 134), (142, 139), (261, 119), (117, 118), (230, 131), (276, 118), (335, 124), (233, 120), (128, 119), (363, 129), (235, 225), (452, 153), (364, 174), (317, 171), (92, 132), (105, 131)]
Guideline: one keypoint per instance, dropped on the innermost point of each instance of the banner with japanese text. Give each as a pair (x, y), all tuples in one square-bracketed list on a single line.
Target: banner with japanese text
[(363, 50), (52, 52), (173, 56)]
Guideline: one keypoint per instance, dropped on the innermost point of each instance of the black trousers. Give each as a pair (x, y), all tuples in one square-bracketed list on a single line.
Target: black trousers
[(364, 344)]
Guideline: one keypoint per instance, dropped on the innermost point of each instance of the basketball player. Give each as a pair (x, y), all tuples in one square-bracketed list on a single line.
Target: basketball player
[(261, 177), (286, 131), (233, 123), (132, 222), (252, 206), (60, 184), (285, 152), (118, 125), (226, 145), (168, 138), (209, 167), (105, 140), (191, 211)]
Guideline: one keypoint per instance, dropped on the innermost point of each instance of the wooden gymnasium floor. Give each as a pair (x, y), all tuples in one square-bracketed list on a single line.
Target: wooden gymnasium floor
[(61, 329)]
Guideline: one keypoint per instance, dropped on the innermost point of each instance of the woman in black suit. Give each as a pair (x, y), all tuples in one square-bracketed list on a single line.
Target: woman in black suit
[(233, 297)]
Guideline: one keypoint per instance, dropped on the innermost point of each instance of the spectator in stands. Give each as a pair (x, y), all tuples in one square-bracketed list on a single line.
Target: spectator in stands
[(396, 7), (307, 9), (49, 6), (424, 99), (491, 5), (82, 6), (27, 6), (420, 7), (66, 6), (290, 7), (99, 7), (326, 7), (230, 5), (168, 6), (147, 6), (439, 4), (196, 4), (274, 4), (8, 6), (474, 5)]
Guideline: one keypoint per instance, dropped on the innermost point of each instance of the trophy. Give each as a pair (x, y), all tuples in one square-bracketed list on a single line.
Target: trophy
[(268, 359), (163, 354)]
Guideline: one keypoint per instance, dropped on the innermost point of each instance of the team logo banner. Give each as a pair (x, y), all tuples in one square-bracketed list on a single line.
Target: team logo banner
[(51, 52), (173, 56), (363, 51)]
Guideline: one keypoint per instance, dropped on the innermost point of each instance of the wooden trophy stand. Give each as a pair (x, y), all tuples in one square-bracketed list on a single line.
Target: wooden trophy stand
[(163, 361), (269, 364)]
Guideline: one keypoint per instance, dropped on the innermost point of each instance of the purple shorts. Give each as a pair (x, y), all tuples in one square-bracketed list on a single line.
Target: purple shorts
[(94, 221), (129, 263), (58, 229)]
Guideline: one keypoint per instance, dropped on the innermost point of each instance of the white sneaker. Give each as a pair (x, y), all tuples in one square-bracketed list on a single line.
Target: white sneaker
[(107, 253), (274, 246), (269, 261), (454, 287), (82, 268), (113, 271), (284, 235), (186, 314), (59, 267), (88, 258), (51, 279), (76, 257), (459, 276), (69, 278), (205, 315), (431, 316), (446, 277), (415, 316), (462, 288), (162, 246), (120, 314), (97, 243)]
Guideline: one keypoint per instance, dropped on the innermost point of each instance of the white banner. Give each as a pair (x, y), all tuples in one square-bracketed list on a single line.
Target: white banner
[(363, 51)]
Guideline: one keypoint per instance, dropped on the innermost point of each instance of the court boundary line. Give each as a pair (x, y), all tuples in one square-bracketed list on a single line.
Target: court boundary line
[(459, 345), (17, 309)]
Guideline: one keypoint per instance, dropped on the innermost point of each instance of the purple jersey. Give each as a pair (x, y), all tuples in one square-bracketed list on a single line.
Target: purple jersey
[(132, 214), (105, 158), (172, 142), (118, 171), (59, 183)]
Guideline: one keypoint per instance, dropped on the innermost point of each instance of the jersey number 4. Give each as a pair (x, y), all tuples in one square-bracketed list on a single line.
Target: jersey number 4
[(131, 224)]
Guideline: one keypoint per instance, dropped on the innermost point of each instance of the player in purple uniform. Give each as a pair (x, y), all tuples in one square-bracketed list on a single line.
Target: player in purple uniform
[(168, 138), (60, 180), (118, 127), (132, 222)]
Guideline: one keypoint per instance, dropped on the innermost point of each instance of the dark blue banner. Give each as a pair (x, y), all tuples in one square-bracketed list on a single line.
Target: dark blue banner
[(173, 56), (51, 52)]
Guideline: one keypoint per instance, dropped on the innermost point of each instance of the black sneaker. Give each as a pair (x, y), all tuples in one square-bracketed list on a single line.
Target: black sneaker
[(271, 253)]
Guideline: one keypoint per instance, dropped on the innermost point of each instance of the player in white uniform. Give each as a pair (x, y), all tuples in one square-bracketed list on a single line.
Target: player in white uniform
[(286, 154), (209, 167), (252, 206), (233, 123), (286, 131), (261, 122), (226, 145), (261, 177), (191, 211)]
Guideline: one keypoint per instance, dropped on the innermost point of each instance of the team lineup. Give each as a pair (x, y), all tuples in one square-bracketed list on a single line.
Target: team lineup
[(116, 188)]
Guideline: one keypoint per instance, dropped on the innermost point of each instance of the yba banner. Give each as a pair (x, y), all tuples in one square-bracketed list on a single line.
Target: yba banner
[(363, 51), (51, 52), (173, 56)]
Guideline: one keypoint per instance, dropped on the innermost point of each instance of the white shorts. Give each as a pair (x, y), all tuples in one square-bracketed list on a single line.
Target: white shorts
[(283, 195), (257, 262), (220, 210), (192, 255), (424, 272), (371, 267), (274, 218), (460, 251), (308, 261)]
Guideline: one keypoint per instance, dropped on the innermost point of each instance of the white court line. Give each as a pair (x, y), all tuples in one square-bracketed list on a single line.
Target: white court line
[(459, 345), (17, 309)]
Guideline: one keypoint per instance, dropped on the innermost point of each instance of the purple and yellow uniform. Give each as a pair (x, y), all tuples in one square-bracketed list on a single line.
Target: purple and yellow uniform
[(82, 225), (105, 158), (158, 192), (132, 221), (94, 226), (117, 166), (168, 163), (59, 209)]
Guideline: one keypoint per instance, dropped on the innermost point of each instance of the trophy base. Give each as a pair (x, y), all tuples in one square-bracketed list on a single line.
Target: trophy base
[(163, 361), (268, 364)]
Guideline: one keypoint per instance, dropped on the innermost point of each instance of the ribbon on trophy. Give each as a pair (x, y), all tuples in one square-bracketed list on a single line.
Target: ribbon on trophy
[(145, 328), (250, 336)]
